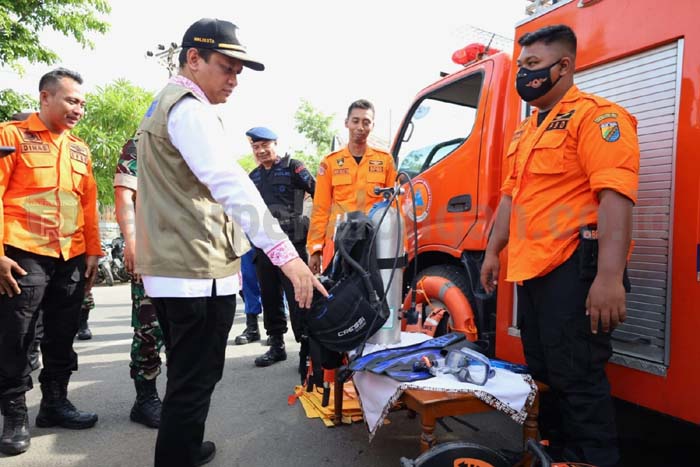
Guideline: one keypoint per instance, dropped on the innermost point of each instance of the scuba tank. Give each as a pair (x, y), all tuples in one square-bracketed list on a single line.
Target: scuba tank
[(391, 259)]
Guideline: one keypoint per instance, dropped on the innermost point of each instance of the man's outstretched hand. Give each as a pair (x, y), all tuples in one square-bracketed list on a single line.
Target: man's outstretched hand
[(303, 280)]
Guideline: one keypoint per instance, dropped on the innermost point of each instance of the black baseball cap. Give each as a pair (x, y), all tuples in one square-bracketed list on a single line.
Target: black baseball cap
[(219, 35)]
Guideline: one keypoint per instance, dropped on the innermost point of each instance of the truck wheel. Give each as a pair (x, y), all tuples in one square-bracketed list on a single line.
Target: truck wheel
[(454, 276)]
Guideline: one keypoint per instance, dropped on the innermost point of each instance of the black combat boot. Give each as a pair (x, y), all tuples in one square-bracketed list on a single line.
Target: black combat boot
[(146, 409), (276, 353), (251, 333), (56, 409), (15, 430), (84, 332), (206, 453), (34, 355)]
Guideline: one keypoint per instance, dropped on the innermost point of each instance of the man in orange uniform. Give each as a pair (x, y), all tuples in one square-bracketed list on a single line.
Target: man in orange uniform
[(346, 180), (566, 216), (49, 245)]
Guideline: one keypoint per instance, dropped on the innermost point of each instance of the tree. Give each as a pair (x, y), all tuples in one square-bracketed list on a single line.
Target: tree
[(247, 161), (112, 116), (316, 127), (12, 102), (21, 22)]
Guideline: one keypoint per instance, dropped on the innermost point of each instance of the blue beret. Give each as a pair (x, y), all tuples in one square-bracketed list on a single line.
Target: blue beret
[(260, 133)]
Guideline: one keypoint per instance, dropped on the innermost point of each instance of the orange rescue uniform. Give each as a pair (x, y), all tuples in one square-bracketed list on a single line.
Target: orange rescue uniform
[(48, 192), (555, 172), (343, 185)]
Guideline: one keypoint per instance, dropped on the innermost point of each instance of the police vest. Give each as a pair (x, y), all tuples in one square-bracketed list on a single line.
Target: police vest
[(284, 200)]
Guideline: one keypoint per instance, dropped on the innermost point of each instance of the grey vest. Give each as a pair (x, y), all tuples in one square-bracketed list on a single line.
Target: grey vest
[(180, 230)]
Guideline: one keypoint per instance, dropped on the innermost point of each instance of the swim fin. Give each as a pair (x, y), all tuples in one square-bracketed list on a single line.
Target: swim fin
[(371, 360)]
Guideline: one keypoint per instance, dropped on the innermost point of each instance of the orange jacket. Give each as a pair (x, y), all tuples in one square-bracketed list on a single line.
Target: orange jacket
[(342, 186), (555, 171), (49, 195)]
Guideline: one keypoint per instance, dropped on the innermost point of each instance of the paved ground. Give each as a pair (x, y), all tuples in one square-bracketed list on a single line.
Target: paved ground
[(249, 421)]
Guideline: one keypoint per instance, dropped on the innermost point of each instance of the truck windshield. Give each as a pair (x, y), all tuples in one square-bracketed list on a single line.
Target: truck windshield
[(442, 121)]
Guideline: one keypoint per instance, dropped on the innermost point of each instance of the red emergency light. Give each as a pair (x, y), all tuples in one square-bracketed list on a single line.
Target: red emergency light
[(472, 52)]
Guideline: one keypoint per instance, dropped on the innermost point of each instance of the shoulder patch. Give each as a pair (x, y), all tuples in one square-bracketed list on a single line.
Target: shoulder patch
[(610, 131), (604, 116), (322, 167)]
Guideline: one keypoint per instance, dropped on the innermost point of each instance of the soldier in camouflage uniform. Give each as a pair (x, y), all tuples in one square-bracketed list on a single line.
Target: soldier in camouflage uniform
[(148, 337)]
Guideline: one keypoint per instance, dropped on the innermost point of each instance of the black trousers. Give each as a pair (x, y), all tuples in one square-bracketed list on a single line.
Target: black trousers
[(195, 331), (57, 287), (273, 283), (577, 414)]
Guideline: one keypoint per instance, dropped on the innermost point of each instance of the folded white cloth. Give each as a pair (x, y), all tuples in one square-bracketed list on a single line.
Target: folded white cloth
[(509, 392)]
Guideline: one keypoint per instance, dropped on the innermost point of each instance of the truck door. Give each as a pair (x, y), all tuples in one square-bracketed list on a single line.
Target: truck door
[(439, 146)]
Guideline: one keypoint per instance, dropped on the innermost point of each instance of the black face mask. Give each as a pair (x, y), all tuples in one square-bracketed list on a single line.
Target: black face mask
[(533, 84)]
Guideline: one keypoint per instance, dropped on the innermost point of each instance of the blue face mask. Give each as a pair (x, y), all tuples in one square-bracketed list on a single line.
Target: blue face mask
[(533, 84)]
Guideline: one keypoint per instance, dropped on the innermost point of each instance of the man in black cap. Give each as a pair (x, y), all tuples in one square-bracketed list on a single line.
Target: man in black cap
[(194, 203), (283, 183)]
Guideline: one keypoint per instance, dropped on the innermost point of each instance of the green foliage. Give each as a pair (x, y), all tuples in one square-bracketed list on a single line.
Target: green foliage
[(315, 126), (21, 22), (311, 161), (12, 102), (248, 163), (112, 116)]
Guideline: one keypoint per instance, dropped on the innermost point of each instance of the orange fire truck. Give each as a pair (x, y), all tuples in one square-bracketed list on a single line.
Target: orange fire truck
[(642, 54)]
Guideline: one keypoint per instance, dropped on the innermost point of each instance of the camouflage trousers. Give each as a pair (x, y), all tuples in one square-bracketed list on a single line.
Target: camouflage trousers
[(88, 303), (148, 337)]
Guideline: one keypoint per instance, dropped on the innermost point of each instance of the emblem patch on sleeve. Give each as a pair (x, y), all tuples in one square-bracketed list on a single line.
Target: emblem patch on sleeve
[(610, 131)]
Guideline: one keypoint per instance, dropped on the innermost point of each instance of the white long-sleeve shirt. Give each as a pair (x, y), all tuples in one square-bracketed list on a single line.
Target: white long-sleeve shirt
[(196, 131)]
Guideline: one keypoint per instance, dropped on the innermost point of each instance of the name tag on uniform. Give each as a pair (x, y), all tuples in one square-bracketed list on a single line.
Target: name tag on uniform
[(376, 168), (35, 147), (78, 153)]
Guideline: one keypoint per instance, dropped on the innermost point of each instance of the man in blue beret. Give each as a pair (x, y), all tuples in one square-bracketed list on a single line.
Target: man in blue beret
[(283, 183)]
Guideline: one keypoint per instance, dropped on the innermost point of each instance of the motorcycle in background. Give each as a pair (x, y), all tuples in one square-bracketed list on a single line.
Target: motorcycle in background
[(104, 266), (119, 271)]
